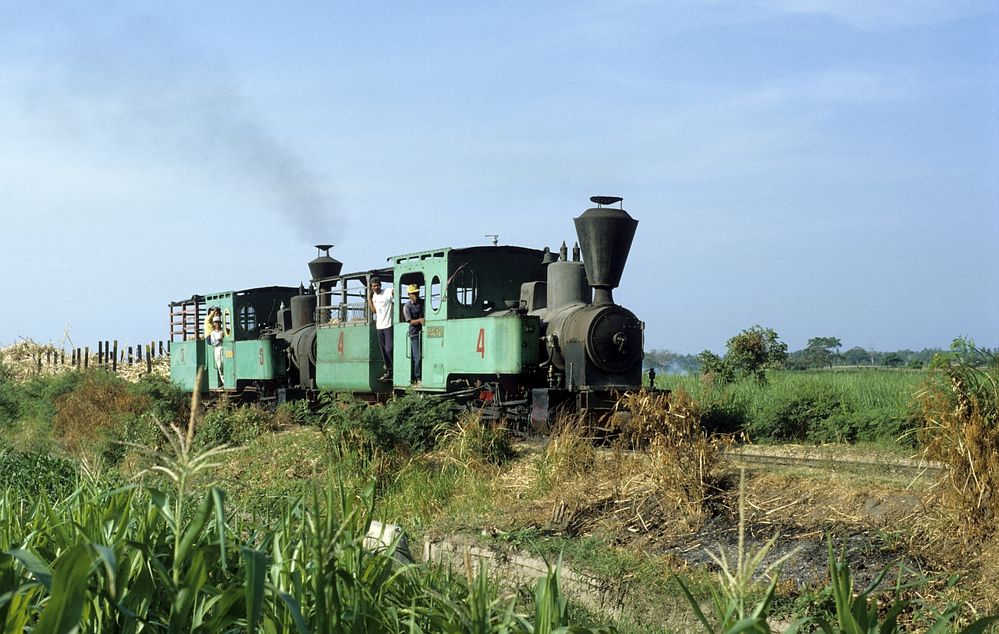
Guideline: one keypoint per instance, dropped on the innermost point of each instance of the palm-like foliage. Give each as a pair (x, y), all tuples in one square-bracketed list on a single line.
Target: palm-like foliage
[(731, 599), (141, 558)]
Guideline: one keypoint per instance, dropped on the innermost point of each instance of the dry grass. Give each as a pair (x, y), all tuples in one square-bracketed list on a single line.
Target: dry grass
[(685, 461), (94, 407), (474, 444), (21, 361), (657, 477), (814, 502), (961, 408), (963, 432), (568, 454)]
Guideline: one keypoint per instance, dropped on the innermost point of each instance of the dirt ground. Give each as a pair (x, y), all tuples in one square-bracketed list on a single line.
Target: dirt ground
[(876, 516), (867, 519)]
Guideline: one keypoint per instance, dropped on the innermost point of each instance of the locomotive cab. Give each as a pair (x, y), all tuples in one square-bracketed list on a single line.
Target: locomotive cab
[(471, 339)]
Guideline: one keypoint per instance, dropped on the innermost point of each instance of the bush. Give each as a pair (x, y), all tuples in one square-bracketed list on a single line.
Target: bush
[(31, 474), (35, 400), (883, 426), (166, 402), (720, 411), (819, 406), (9, 409), (411, 422), (819, 413), (86, 412), (87, 417), (299, 413), (28, 409), (814, 413), (234, 425)]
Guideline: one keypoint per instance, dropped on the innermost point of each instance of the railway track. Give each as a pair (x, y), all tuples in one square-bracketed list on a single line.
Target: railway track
[(795, 456)]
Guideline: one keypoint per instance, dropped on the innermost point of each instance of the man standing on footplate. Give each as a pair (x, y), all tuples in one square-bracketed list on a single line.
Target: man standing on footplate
[(381, 307)]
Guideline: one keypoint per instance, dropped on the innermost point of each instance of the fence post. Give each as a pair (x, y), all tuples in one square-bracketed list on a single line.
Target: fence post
[(130, 355), (149, 358), (114, 357), (86, 357), (161, 348)]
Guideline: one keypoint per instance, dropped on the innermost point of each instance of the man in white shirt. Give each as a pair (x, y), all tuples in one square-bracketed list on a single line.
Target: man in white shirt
[(381, 306)]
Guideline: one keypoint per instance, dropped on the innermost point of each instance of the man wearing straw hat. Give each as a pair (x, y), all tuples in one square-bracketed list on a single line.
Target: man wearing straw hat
[(412, 312)]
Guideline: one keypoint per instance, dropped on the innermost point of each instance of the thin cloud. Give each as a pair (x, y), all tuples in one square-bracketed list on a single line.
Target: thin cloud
[(832, 87), (876, 15)]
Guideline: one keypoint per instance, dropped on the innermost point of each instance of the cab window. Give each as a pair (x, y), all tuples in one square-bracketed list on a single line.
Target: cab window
[(464, 286)]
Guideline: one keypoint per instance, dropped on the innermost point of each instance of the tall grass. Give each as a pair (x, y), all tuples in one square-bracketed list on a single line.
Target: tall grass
[(961, 408), (31, 474), (817, 406)]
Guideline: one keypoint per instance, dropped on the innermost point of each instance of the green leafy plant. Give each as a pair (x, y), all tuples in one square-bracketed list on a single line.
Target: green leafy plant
[(735, 609), (234, 424), (412, 422), (140, 558), (866, 613), (31, 474)]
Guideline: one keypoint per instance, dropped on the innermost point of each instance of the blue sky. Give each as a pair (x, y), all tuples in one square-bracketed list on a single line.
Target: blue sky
[(820, 167)]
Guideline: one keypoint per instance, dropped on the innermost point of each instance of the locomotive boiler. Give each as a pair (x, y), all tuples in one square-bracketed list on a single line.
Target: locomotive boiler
[(514, 331)]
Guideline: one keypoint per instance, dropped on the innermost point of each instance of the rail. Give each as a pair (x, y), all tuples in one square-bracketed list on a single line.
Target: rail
[(805, 457)]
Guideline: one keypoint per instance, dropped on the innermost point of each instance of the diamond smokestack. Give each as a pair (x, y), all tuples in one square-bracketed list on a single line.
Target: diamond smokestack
[(320, 268), (605, 236), (324, 265)]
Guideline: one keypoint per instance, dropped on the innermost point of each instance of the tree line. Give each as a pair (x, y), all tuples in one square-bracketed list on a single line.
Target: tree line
[(756, 350)]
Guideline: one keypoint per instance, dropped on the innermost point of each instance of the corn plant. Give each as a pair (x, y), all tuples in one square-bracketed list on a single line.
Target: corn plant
[(862, 613), (173, 559), (731, 599)]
